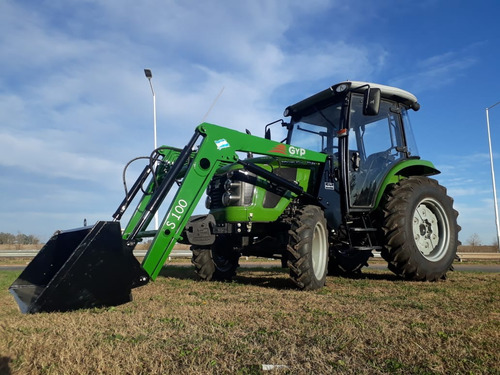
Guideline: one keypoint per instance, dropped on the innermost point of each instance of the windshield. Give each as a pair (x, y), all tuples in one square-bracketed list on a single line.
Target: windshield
[(317, 131), (410, 140)]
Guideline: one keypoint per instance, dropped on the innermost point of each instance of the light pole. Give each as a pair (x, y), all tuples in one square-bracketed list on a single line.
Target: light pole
[(149, 75), (493, 174)]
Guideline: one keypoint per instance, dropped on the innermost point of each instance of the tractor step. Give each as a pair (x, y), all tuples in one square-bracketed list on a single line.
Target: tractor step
[(366, 248), (363, 230)]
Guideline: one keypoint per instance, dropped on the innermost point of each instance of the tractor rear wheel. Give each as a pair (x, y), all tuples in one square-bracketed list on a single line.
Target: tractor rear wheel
[(420, 230), (307, 250), (217, 263)]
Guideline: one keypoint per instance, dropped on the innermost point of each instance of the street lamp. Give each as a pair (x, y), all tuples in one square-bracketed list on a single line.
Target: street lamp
[(149, 75), (493, 174)]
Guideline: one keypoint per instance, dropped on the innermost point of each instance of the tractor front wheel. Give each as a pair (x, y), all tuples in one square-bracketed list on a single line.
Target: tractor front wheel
[(307, 250), (203, 263), (216, 263), (420, 229)]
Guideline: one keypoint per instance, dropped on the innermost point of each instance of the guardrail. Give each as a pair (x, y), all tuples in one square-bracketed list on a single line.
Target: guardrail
[(138, 253)]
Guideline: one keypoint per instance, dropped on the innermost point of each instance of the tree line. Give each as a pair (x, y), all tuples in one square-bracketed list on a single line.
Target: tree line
[(475, 240), (18, 239)]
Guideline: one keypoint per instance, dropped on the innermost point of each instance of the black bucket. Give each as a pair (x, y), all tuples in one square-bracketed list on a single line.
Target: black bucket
[(80, 268)]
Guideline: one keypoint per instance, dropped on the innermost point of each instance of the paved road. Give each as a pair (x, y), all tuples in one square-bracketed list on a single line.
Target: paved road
[(11, 268), (474, 267)]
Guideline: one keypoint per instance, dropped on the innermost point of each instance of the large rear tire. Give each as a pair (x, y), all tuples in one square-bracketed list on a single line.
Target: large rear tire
[(420, 229), (307, 249)]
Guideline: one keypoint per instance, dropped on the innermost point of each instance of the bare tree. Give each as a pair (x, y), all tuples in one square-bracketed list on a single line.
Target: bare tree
[(19, 238), (7, 238), (474, 240)]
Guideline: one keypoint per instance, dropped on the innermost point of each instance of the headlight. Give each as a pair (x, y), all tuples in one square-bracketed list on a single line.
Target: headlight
[(226, 199), (228, 185), (229, 199), (208, 202)]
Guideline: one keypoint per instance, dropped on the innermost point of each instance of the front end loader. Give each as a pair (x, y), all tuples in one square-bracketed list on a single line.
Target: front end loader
[(345, 179)]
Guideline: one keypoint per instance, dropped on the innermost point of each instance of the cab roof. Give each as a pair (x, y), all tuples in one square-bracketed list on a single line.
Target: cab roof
[(387, 92)]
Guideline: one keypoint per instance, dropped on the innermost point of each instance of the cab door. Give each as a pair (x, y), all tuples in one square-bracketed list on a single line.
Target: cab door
[(376, 144)]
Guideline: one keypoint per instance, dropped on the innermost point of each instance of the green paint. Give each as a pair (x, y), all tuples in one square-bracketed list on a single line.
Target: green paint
[(219, 147)]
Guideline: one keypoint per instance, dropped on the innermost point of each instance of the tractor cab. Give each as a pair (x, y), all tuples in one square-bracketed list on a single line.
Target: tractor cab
[(364, 128)]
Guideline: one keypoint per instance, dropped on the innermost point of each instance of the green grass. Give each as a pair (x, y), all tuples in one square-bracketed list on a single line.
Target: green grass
[(7, 278), (374, 325)]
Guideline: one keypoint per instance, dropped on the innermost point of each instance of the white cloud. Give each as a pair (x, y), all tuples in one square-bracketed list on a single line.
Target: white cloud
[(436, 71), (94, 80), (36, 156)]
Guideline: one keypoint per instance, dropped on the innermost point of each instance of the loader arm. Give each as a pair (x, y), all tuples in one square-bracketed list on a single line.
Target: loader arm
[(195, 170)]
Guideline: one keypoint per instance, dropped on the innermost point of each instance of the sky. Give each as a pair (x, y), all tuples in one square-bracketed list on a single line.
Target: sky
[(75, 105)]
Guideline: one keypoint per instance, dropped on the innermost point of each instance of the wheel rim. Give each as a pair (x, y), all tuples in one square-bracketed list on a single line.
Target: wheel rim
[(319, 250), (223, 262), (431, 229)]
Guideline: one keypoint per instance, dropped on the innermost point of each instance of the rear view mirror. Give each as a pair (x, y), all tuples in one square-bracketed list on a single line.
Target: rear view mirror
[(371, 102), (268, 134)]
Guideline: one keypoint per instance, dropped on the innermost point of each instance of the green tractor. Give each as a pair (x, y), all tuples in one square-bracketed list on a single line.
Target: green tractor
[(343, 179)]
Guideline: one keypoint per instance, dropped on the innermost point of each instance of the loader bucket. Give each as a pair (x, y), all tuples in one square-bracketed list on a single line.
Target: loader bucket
[(80, 268)]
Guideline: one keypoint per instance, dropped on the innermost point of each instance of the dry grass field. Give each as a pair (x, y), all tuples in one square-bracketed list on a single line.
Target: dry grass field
[(377, 324)]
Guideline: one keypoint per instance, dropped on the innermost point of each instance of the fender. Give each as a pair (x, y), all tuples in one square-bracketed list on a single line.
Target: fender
[(404, 169)]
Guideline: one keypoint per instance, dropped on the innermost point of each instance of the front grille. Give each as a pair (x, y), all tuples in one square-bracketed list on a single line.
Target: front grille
[(216, 189)]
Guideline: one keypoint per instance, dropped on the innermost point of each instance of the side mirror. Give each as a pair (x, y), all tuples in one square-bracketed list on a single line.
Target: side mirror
[(268, 134), (371, 102)]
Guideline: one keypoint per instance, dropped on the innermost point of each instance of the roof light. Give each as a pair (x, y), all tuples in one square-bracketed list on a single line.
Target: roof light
[(342, 133), (341, 87)]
